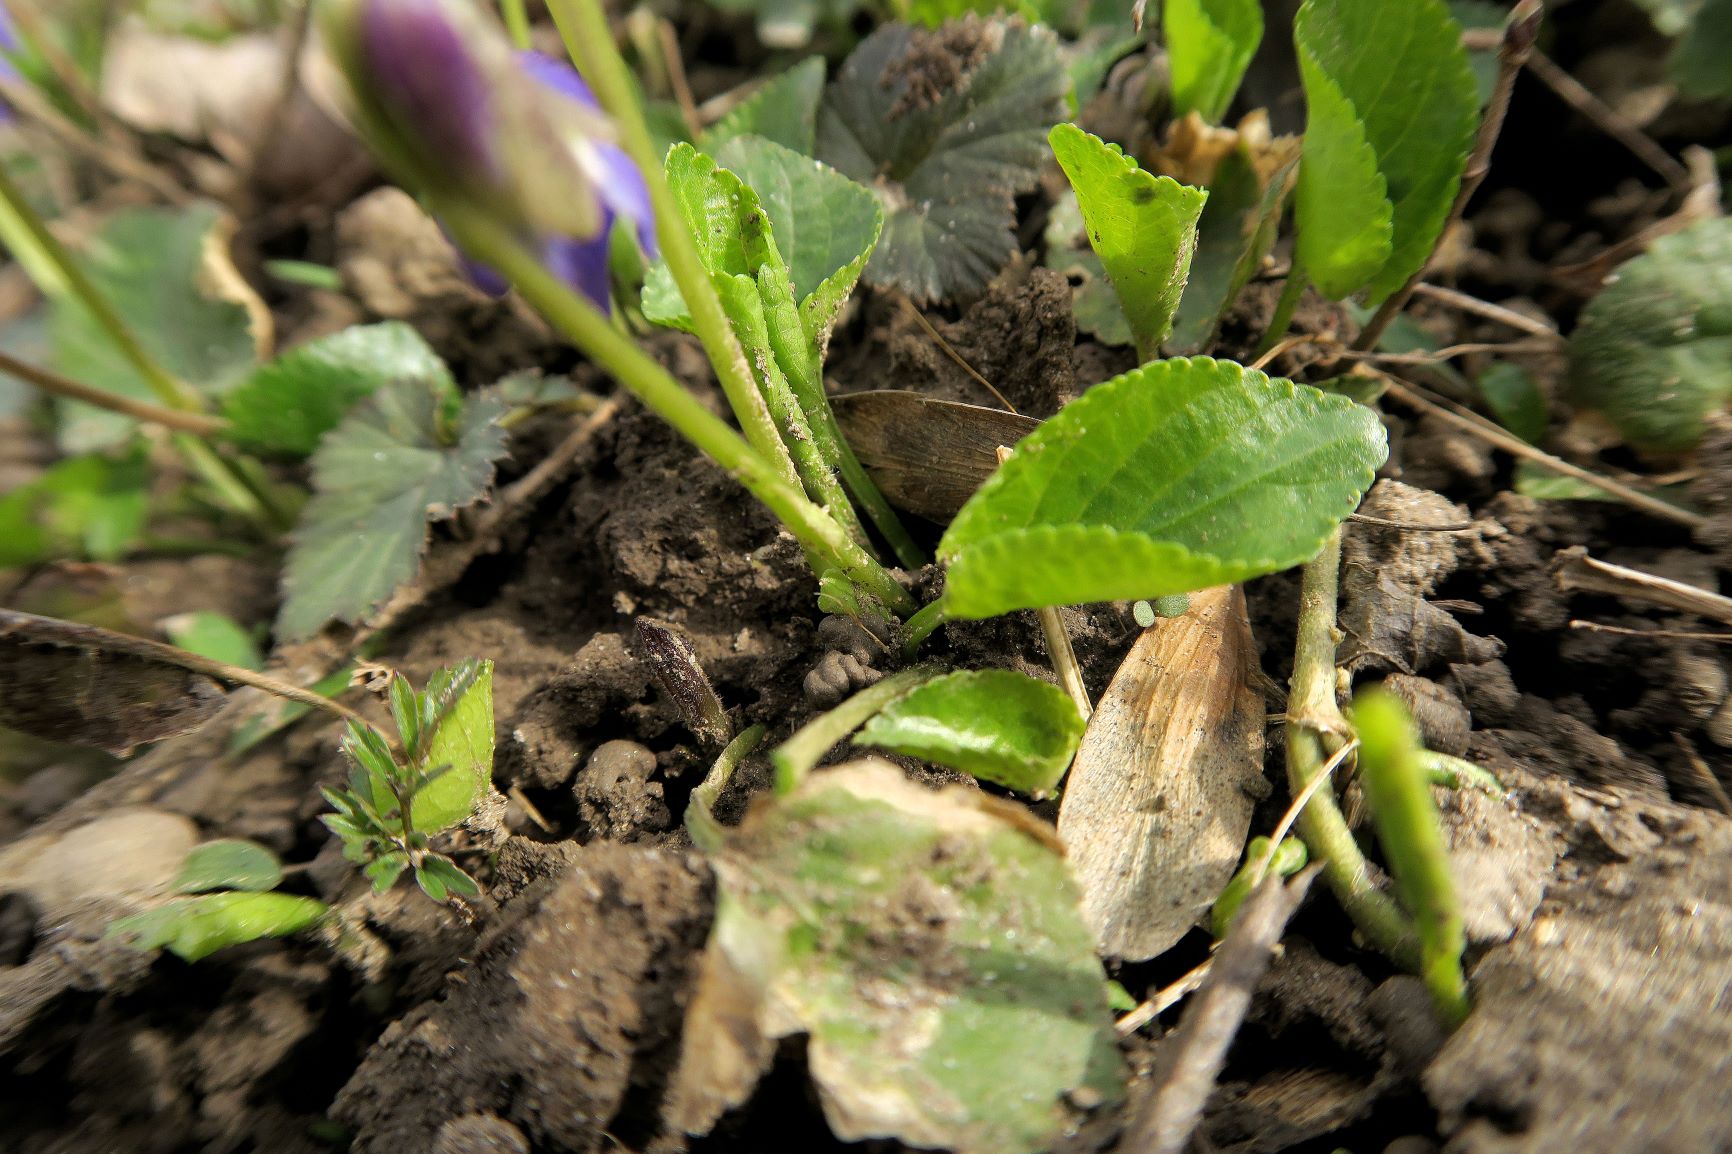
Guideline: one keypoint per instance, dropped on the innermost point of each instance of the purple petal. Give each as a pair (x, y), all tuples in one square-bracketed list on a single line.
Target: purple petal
[(622, 189), (429, 81), (582, 264), (557, 76), (9, 42)]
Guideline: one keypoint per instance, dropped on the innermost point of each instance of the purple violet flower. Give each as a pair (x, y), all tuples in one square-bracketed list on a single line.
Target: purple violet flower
[(9, 43)]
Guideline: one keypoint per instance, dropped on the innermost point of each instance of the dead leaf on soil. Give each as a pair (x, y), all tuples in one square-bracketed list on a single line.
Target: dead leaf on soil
[(927, 455), (1159, 798), (76, 683), (926, 943)]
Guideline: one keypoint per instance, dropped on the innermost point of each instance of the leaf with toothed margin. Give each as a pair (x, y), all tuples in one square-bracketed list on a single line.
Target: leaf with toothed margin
[(1181, 475), (784, 110)]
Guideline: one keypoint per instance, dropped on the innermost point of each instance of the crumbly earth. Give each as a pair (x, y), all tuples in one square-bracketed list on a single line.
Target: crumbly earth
[(547, 1017)]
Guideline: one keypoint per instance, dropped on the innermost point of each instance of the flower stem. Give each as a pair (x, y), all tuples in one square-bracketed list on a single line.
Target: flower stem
[(516, 15), (1284, 308), (488, 241), (1314, 728), (583, 26), (61, 386), (797, 756)]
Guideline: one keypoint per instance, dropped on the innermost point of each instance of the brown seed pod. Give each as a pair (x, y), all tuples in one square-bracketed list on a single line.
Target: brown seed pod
[(1159, 798)]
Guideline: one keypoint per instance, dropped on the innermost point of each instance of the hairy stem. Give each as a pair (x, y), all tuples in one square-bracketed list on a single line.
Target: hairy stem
[(583, 26), (1315, 728), (796, 757), (577, 319)]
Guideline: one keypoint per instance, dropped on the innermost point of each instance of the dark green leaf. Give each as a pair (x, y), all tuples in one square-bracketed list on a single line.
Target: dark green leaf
[(196, 927), (1515, 399), (384, 870), (1143, 227), (216, 636), (785, 110), (931, 947), (151, 264), (1209, 46), (392, 466), (947, 159), (1653, 351), (91, 507), (1001, 726), (1699, 60), (1182, 475), (288, 404), (1393, 110), (439, 878), (229, 864)]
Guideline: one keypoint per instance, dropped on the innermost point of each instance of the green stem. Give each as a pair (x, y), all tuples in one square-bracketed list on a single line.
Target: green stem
[(516, 15), (796, 757), (486, 240), (701, 822), (1456, 773), (173, 393), (1314, 730), (922, 625), (1284, 308), (583, 26)]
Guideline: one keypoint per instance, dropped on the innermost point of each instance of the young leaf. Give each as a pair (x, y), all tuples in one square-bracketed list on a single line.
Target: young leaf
[(1143, 227), (151, 264), (1001, 726), (288, 404), (384, 870), (785, 110), (197, 927), (463, 740), (926, 943), (1393, 107), (379, 478), (92, 507), (229, 864), (1653, 351), (946, 155), (216, 636), (1181, 475), (439, 878), (1209, 46)]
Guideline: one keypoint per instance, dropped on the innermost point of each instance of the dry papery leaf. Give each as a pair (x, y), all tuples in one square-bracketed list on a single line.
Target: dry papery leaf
[(927, 455), (1160, 795)]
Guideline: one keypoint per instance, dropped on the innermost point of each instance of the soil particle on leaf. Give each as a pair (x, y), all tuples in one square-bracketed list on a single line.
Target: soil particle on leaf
[(938, 61), (565, 1025)]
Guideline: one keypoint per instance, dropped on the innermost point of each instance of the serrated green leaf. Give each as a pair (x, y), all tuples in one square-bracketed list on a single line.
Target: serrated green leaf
[(1393, 108), (946, 164), (228, 864), (149, 264), (288, 404), (1236, 232), (785, 110), (1001, 726), (1209, 45), (91, 507), (1181, 475), (1142, 226), (463, 740), (216, 636), (378, 479), (195, 928), (1653, 351), (927, 943)]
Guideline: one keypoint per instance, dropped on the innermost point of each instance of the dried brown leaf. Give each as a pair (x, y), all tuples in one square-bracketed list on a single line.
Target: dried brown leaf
[(927, 455)]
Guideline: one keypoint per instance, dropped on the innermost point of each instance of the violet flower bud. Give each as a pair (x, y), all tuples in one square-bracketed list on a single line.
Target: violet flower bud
[(9, 43)]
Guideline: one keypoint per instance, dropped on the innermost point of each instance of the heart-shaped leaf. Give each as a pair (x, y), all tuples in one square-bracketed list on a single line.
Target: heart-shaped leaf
[(1181, 475), (1392, 111), (1142, 226), (1001, 726), (784, 110)]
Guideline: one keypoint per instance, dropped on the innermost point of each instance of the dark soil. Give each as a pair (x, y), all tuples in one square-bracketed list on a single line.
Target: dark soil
[(547, 1016)]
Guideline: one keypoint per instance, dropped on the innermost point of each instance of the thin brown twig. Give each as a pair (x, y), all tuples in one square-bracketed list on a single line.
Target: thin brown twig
[(1608, 119), (65, 69), (1519, 34), (113, 153), (1665, 634), (1455, 298), (54, 384), (1163, 1000), (1413, 526), (1288, 344), (1450, 352), (1469, 421), (670, 46), (1574, 570), (950, 352)]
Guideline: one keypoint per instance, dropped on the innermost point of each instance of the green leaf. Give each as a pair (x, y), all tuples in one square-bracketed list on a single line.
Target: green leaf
[(785, 111), (1534, 480), (228, 864), (1515, 399), (946, 160), (216, 636), (1142, 226), (932, 947), (384, 870), (1653, 351), (1393, 108), (151, 265), (1235, 233), (1181, 475), (91, 507), (1485, 16), (195, 928), (462, 739), (1209, 46), (1001, 726), (439, 878), (1093, 303), (288, 404), (394, 464), (305, 273), (934, 13), (1698, 60)]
